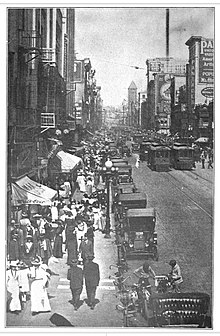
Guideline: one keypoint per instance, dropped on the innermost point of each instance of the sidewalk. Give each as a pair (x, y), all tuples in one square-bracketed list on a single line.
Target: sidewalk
[(104, 315)]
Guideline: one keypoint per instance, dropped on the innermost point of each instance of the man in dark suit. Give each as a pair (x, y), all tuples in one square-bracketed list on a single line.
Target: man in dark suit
[(92, 277), (75, 275)]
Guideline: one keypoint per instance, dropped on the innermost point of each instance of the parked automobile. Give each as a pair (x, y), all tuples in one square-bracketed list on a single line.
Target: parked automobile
[(141, 237)]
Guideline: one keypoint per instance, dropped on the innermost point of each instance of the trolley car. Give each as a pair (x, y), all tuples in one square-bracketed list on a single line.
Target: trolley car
[(144, 149), (182, 156), (159, 157)]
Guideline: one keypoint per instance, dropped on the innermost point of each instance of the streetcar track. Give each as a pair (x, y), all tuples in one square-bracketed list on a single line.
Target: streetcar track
[(194, 173), (186, 195)]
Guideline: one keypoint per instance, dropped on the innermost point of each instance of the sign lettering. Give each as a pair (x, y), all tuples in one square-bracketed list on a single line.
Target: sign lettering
[(206, 61)]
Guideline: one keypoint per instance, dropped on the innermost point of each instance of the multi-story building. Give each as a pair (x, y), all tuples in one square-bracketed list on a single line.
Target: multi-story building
[(151, 105), (200, 86), (142, 109), (132, 105), (163, 70)]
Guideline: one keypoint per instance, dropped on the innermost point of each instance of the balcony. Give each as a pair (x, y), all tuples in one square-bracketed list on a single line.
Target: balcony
[(29, 39), (48, 120), (48, 55)]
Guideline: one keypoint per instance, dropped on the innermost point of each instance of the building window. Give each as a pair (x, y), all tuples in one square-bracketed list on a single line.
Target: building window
[(48, 120)]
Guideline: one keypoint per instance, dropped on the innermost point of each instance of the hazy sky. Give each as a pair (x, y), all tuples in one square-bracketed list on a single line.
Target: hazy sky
[(114, 38)]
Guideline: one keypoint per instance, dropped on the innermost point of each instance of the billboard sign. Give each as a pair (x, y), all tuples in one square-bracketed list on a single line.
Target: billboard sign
[(208, 92), (167, 65), (206, 61), (164, 93)]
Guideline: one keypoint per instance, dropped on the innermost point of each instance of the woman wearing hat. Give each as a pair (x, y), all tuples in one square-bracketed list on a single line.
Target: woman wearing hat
[(23, 279), (29, 250), (58, 242), (12, 284), (44, 249), (13, 246), (39, 297)]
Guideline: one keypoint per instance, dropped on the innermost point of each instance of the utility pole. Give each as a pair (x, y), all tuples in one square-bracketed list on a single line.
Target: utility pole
[(167, 33)]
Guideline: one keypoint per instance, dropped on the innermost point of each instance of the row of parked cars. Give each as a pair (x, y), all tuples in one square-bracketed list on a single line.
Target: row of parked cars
[(136, 222)]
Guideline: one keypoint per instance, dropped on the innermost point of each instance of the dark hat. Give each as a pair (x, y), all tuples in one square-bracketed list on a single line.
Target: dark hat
[(37, 216), (36, 261), (91, 257), (74, 262), (172, 262), (146, 266)]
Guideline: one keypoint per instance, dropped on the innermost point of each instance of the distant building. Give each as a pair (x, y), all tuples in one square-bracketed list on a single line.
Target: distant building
[(163, 70), (132, 105), (142, 109)]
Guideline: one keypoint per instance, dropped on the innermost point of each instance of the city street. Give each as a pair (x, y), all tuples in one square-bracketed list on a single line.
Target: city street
[(184, 201), (110, 137)]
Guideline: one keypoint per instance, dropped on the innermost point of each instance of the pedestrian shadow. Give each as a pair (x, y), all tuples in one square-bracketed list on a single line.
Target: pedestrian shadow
[(96, 301), (60, 321)]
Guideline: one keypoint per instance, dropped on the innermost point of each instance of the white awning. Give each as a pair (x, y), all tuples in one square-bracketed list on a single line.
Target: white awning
[(36, 189), (21, 196), (68, 161)]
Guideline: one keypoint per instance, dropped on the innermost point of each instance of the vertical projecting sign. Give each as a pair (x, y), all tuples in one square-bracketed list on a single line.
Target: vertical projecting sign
[(206, 61), (78, 72)]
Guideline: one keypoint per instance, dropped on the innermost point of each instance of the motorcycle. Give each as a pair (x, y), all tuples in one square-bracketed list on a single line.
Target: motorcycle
[(143, 290)]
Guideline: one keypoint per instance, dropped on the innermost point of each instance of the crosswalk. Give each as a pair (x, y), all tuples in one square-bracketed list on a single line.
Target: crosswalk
[(105, 284)]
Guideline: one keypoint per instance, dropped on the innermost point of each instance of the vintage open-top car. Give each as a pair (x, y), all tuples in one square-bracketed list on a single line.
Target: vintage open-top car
[(141, 237), (135, 200)]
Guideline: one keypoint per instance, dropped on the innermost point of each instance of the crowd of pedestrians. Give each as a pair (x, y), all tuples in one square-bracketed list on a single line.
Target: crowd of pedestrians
[(68, 227)]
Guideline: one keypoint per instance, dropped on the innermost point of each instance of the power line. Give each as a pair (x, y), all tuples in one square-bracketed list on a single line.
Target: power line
[(127, 65)]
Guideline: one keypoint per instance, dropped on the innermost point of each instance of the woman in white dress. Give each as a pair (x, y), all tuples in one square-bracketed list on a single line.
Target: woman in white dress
[(12, 284), (39, 297), (82, 183)]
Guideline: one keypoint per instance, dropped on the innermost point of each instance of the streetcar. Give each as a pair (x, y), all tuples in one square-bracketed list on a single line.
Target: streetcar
[(182, 156), (138, 138), (144, 149), (159, 157)]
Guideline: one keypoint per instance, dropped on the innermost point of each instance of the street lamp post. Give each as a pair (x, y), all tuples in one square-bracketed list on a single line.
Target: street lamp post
[(108, 171), (57, 187)]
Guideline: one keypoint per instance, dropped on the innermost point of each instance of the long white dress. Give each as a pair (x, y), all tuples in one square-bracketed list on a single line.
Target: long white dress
[(39, 297), (82, 183), (12, 283)]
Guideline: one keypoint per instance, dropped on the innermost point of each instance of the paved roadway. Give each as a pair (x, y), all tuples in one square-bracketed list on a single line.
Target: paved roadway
[(184, 204)]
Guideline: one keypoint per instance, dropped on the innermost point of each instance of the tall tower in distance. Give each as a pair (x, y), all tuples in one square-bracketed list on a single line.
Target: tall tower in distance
[(132, 101)]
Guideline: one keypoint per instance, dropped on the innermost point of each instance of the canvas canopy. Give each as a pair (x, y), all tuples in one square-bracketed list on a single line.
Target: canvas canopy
[(21, 196), (27, 191), (68, 161)]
